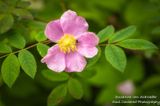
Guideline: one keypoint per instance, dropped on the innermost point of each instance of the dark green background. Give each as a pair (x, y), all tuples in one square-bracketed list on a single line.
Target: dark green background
[(142, 67)]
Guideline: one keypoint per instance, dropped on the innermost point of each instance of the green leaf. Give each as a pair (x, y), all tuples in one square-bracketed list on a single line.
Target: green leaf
[(57, 95), (6, 22), (122, 34), (137, 44), (75, 88), (23, 13), (87, 74), (10, 69), (4, 48), (92, 61), (105, 33), (17, 41), (42, 49), (116, 57), (40, 36), (53, 76), (27, 62)]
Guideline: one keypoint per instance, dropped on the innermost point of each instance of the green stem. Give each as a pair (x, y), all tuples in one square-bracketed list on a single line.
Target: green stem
[(31, 46), (63, 5), (102, 44)]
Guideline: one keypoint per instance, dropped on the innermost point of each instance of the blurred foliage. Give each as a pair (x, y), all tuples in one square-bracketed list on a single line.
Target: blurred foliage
[(22, 23)]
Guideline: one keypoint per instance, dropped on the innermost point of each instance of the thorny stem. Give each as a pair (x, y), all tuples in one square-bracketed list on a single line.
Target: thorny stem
[(31, 46)]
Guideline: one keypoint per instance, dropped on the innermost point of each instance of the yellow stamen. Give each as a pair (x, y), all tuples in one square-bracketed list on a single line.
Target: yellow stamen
[(67, 43)]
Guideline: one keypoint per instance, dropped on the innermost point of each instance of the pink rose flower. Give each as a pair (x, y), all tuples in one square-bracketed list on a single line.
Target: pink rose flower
[(73, 43), (126, 88)]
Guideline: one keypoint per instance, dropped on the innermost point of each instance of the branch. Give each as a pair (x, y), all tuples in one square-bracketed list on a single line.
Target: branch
[(63, 5), (31, 46)]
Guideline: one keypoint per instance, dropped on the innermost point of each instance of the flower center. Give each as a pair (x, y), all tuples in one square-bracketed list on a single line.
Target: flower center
[(67, 43)]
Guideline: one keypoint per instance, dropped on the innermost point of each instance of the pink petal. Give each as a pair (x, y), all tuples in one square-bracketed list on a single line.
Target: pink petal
[(88, 39), (75, 62), (55, 59), (73, 24), (87, 44), (54, 31), (86, 51)]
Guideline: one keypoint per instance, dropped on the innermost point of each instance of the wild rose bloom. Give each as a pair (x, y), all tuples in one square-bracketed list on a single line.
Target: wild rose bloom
[(73, 43), (126, 88)]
